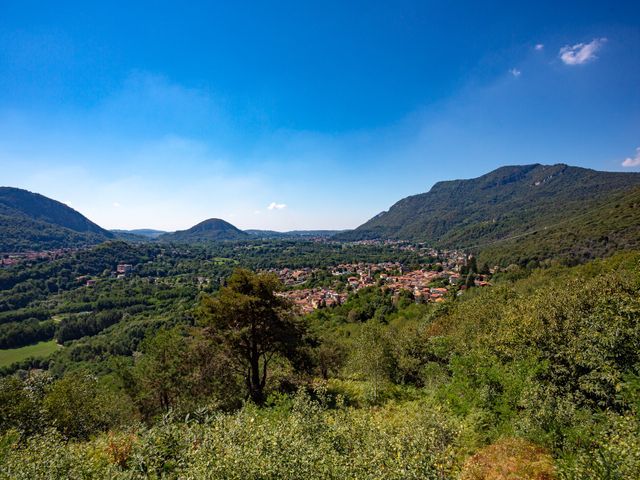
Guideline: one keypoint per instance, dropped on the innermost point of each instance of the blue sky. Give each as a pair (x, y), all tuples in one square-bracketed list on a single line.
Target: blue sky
[(301, 115)]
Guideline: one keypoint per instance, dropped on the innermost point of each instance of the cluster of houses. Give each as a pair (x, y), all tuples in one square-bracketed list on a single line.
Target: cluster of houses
[(309, 299), (291, 277), (419, 283), (425, 285), (86, 280), (122, 270), (10, 259)]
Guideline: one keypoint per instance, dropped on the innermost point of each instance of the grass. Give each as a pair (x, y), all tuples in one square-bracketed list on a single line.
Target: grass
[(40, 349), (509, 459)]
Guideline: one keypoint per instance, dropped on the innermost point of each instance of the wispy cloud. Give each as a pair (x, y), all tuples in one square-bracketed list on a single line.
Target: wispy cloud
[(632, 161), (581, 53), (539, 46), (116, 204), (515, 72), (276, 206)]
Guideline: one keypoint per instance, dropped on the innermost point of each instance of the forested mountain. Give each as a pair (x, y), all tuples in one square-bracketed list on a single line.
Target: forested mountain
[(30, 221), (293, 233), (611, 226), (213, 229), (506, 202)]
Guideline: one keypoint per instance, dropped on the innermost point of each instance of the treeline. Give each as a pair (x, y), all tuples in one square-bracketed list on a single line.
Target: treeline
[(14, 334), (39, 313), (85, 325), (32, 330)]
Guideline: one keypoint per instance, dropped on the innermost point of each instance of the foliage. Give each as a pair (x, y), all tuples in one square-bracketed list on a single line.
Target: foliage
[(177, 373), (304, 441), (251, 323), (371, 358), (613, 451), (609, 227), (17, 334), (77, 405)]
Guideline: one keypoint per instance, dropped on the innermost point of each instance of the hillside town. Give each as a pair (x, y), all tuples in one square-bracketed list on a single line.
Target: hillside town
[(425, 284), (10, 259)]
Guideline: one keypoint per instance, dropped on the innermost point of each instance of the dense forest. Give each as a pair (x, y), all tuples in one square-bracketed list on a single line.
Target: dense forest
[(193, 367)]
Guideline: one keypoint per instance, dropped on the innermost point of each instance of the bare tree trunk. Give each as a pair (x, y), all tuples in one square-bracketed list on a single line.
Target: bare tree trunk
[(256, 387)]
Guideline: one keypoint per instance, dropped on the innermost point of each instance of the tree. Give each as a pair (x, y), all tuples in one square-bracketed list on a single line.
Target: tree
[(470, 281), (330, 356), (371, 358), (21, 402), (161, 372), (472, 264), (78, 405), (252, 324)]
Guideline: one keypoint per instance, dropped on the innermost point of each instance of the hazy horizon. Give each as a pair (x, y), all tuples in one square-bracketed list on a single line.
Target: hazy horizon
[(313, 117)]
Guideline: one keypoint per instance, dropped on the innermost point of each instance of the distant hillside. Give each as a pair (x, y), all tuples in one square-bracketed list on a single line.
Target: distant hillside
[(501, 204), (30, 221), (138, 235), (293, 233), (601, 231), (143, 232), (210, 230)]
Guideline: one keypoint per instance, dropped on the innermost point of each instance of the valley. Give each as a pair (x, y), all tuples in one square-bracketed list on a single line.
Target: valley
[(326, 337)]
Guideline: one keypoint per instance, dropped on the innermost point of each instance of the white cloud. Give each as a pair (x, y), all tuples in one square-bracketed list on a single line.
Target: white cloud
[(276, 206), (515, 72), (256, 212), (633, 162), (116, 204), (539, 46), (581, 52)]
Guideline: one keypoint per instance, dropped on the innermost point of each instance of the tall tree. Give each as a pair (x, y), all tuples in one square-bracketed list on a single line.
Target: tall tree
[(371, 358), (161, 373), (471, 280), (472, 264), (253, 324)]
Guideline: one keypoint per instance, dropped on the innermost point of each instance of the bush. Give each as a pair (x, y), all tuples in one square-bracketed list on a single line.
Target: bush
[(304, 440)]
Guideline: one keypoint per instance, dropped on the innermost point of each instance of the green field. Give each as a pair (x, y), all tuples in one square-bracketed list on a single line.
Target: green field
[(41, 349)]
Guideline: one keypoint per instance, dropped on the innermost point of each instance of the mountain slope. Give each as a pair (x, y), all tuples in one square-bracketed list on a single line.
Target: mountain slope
[(293, 234), (213, 229), (503, 203), (41, 208), (30, 221), (601, 231), (142, 232), (138, 235)]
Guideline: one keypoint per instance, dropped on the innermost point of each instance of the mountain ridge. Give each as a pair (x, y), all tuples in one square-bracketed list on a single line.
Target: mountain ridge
[(31, 221), (501, 203)]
